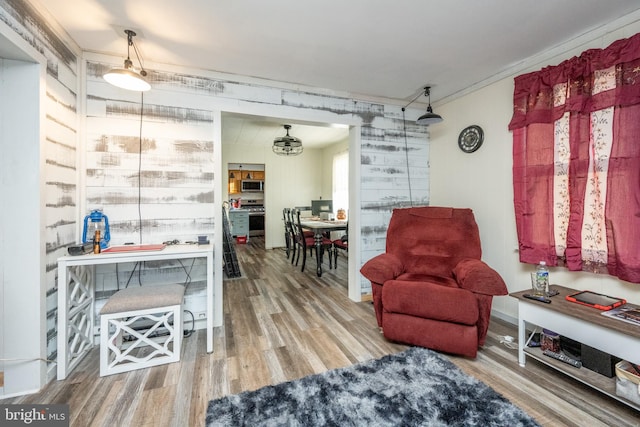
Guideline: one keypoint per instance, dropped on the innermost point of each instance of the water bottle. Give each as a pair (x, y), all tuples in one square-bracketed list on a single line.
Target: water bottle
[(542, 279)]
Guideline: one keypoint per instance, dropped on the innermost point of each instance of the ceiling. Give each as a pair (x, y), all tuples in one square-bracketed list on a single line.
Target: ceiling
[(250, 130), (369, 48)]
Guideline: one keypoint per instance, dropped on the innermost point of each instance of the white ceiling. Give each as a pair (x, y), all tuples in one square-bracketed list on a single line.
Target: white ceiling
[(256, 130), (372, 48)]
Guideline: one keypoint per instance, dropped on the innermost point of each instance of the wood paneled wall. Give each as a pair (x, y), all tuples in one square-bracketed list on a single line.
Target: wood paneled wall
[(178, 157), (61, 141)]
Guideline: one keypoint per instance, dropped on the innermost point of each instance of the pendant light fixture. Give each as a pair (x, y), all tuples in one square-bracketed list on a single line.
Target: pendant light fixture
[(287, 145), (428, 118), (126, 77)]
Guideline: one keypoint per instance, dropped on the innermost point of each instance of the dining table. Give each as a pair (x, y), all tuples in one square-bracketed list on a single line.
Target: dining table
[(319, 227)]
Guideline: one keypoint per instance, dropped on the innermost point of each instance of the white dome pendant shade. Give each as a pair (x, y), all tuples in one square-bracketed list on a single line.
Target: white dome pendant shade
[(126, 77)]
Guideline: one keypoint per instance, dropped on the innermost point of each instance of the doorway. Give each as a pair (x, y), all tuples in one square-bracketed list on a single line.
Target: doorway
[(266, 128), (22, 257)]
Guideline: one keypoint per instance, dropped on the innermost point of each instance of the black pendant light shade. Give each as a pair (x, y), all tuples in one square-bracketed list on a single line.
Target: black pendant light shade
[(429, 117), (287, 145)]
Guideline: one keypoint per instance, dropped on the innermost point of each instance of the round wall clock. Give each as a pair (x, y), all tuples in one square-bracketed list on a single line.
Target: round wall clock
[(470, 139)]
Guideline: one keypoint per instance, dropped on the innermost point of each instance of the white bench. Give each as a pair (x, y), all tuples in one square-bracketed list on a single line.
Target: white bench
[(159, 308)]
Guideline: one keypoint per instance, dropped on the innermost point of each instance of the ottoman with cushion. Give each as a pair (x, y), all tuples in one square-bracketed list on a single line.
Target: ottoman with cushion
[(141, 327)]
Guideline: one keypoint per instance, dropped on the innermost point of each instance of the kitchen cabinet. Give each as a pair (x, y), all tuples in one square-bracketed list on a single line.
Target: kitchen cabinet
[(236, 175), (234, 181), (239, 219), (259, 175)]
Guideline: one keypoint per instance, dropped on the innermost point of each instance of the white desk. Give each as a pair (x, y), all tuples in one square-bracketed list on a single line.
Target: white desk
[(76, 287)]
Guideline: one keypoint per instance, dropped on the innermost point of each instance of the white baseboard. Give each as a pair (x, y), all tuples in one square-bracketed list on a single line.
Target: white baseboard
[(505, 317)]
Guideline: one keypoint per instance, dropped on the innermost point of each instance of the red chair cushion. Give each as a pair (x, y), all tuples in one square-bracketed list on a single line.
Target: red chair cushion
[(476, 276), (430, 301), (432, 240), (311, 241), (340, 244)]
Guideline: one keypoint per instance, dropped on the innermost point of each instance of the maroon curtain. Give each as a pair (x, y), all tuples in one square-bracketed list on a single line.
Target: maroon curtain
[(576, 162)]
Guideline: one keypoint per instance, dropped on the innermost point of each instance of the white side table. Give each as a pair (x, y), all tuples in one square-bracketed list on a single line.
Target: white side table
[(583, 324)]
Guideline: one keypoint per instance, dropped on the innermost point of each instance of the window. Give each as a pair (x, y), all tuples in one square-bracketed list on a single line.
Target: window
[(576, 162), (341, 181)]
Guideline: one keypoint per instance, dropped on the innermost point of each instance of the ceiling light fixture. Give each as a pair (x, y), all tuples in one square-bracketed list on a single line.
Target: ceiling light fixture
[(287, 145), (428, 118), (127, 78)]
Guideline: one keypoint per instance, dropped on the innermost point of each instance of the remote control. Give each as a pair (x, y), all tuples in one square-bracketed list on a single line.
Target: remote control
[(563, 358), (538, 298)]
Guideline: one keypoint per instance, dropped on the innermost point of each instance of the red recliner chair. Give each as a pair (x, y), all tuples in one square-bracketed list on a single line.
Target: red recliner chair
[(430, 287)]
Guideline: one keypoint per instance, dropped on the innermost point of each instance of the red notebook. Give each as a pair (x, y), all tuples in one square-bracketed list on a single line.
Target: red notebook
[(135, 248)]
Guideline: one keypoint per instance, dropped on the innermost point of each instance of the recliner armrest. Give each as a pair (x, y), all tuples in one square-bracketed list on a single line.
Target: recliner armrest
[(476, 276), (382, 267)]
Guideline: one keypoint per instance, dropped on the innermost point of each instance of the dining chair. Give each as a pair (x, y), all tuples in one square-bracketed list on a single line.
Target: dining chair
[(287, 234), (304, 242), (291, 228), (343, 244), (293, 233)]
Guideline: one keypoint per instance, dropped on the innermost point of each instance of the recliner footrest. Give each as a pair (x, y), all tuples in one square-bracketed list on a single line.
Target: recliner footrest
[(429, 301)]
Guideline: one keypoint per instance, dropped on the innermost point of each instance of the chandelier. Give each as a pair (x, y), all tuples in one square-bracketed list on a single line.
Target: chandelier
[(287, 145)]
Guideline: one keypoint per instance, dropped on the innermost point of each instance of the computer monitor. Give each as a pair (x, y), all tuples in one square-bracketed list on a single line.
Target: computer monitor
[(305, 211), (318, 206)]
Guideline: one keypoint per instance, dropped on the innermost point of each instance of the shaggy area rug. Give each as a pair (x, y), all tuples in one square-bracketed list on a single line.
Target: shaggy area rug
[(417, 387)]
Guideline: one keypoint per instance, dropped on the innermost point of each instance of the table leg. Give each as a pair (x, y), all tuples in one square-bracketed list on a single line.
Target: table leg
[(210, 298), (522, 327), (75, 315), (63, 309), (318, 238)]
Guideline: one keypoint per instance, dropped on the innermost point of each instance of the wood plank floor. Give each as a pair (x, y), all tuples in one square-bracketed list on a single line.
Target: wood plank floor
[(282, 324)]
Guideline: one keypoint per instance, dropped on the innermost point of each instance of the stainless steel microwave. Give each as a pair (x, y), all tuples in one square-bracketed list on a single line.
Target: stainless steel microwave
[(252, 185)]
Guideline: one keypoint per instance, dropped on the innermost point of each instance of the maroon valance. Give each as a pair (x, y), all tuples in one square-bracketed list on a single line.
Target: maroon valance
[(533, 96)]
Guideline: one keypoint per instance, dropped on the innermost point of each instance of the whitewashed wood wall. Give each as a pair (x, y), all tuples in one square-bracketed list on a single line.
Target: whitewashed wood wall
[(177, 179), (60, 145)]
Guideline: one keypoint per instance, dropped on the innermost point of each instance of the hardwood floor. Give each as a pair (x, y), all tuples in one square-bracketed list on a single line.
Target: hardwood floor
[(282, 324)]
